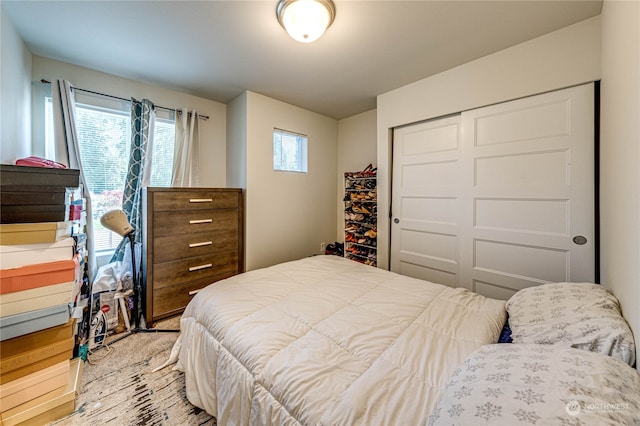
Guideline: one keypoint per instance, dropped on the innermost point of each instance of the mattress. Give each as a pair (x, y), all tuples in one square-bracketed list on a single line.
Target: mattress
[(325, 340)]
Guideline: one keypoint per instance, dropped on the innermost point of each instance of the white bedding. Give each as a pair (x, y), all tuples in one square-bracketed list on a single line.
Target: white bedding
[(325, 340), (529, 384), (580, 315)]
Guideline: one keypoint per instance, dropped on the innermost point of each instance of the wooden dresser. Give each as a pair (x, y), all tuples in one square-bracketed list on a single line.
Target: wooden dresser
[(192, 237)]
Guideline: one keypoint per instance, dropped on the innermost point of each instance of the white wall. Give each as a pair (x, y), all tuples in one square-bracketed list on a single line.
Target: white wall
[(356, 150), (212, 131), (620, 156), (237, 153), (559, 59), (288, 215), (15, 94), (236, 142)]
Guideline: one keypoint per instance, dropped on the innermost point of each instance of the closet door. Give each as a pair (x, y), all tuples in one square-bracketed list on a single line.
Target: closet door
[(529, 193), (426, 200), (525, 192)]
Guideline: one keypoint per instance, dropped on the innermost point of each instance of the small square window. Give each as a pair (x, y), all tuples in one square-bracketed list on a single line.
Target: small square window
[(289, 151)]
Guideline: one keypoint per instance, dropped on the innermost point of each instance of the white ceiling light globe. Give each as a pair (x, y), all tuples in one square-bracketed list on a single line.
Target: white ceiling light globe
[(305, 20)]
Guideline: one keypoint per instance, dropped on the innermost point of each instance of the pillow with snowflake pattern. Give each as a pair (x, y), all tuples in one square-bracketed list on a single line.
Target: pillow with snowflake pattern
[(526, 384), (580, 315)]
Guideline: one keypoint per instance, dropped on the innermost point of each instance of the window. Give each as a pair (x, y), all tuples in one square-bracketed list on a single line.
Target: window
[(104, 136), (289, 151)]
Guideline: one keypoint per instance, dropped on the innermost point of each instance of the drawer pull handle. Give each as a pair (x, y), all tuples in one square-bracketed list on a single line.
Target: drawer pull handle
[(197, 268), (192, 292), (195, 221), (200, 200), (204, 243)]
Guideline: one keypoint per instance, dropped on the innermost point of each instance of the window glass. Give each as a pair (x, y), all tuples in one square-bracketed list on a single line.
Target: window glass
[(163, 144), (289, 151), (104, 136)]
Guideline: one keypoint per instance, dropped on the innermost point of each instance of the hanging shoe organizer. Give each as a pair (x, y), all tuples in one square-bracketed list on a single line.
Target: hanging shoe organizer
[(360, 216)]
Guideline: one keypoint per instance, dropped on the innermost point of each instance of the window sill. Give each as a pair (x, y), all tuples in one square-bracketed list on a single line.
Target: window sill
[(103, 257)]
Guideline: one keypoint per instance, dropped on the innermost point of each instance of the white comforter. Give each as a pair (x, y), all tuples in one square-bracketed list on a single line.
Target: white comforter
[(325, 340)]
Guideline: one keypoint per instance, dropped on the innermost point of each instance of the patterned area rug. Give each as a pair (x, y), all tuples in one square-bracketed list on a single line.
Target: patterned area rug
[(119, 387)]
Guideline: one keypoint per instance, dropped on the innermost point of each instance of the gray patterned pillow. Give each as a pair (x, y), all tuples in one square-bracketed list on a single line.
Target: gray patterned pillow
[(539, 385), (581, 315)]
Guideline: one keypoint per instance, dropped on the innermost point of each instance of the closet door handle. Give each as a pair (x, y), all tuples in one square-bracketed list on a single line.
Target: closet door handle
[(200, 200), (580, 240), (199, 267), (203, 243), (196, 221)]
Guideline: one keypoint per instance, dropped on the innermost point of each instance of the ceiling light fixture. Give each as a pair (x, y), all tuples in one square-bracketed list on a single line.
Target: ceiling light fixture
[(305, 20)]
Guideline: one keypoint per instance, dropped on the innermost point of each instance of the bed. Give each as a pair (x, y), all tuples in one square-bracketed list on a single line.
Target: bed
[(328, 341)]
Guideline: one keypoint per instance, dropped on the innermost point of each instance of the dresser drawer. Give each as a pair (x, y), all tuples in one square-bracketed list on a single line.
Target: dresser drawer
[(193, 222), (168, 274), (173, 299), (194, 200), (175, 247)]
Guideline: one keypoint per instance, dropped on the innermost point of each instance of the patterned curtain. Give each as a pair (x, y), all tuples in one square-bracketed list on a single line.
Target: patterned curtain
[(139, 171)]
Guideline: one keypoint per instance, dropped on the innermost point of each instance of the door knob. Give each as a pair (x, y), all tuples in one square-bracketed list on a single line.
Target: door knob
[(580, 240), (396, 220)]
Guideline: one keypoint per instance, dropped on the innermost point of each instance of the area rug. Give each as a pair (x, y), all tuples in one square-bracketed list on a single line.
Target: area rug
[(119, 387)]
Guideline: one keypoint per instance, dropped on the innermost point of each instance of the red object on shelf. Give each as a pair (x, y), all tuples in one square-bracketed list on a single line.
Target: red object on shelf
[(34, 161), (75, 211)]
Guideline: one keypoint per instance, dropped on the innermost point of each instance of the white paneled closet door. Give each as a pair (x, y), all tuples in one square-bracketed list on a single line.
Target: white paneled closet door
[(426, 200), (525, 191)]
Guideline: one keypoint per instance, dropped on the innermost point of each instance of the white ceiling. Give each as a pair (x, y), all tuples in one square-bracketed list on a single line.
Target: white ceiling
[(218, 49)]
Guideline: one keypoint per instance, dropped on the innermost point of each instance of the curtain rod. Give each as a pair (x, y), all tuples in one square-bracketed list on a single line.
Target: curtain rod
[(200, 116)]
